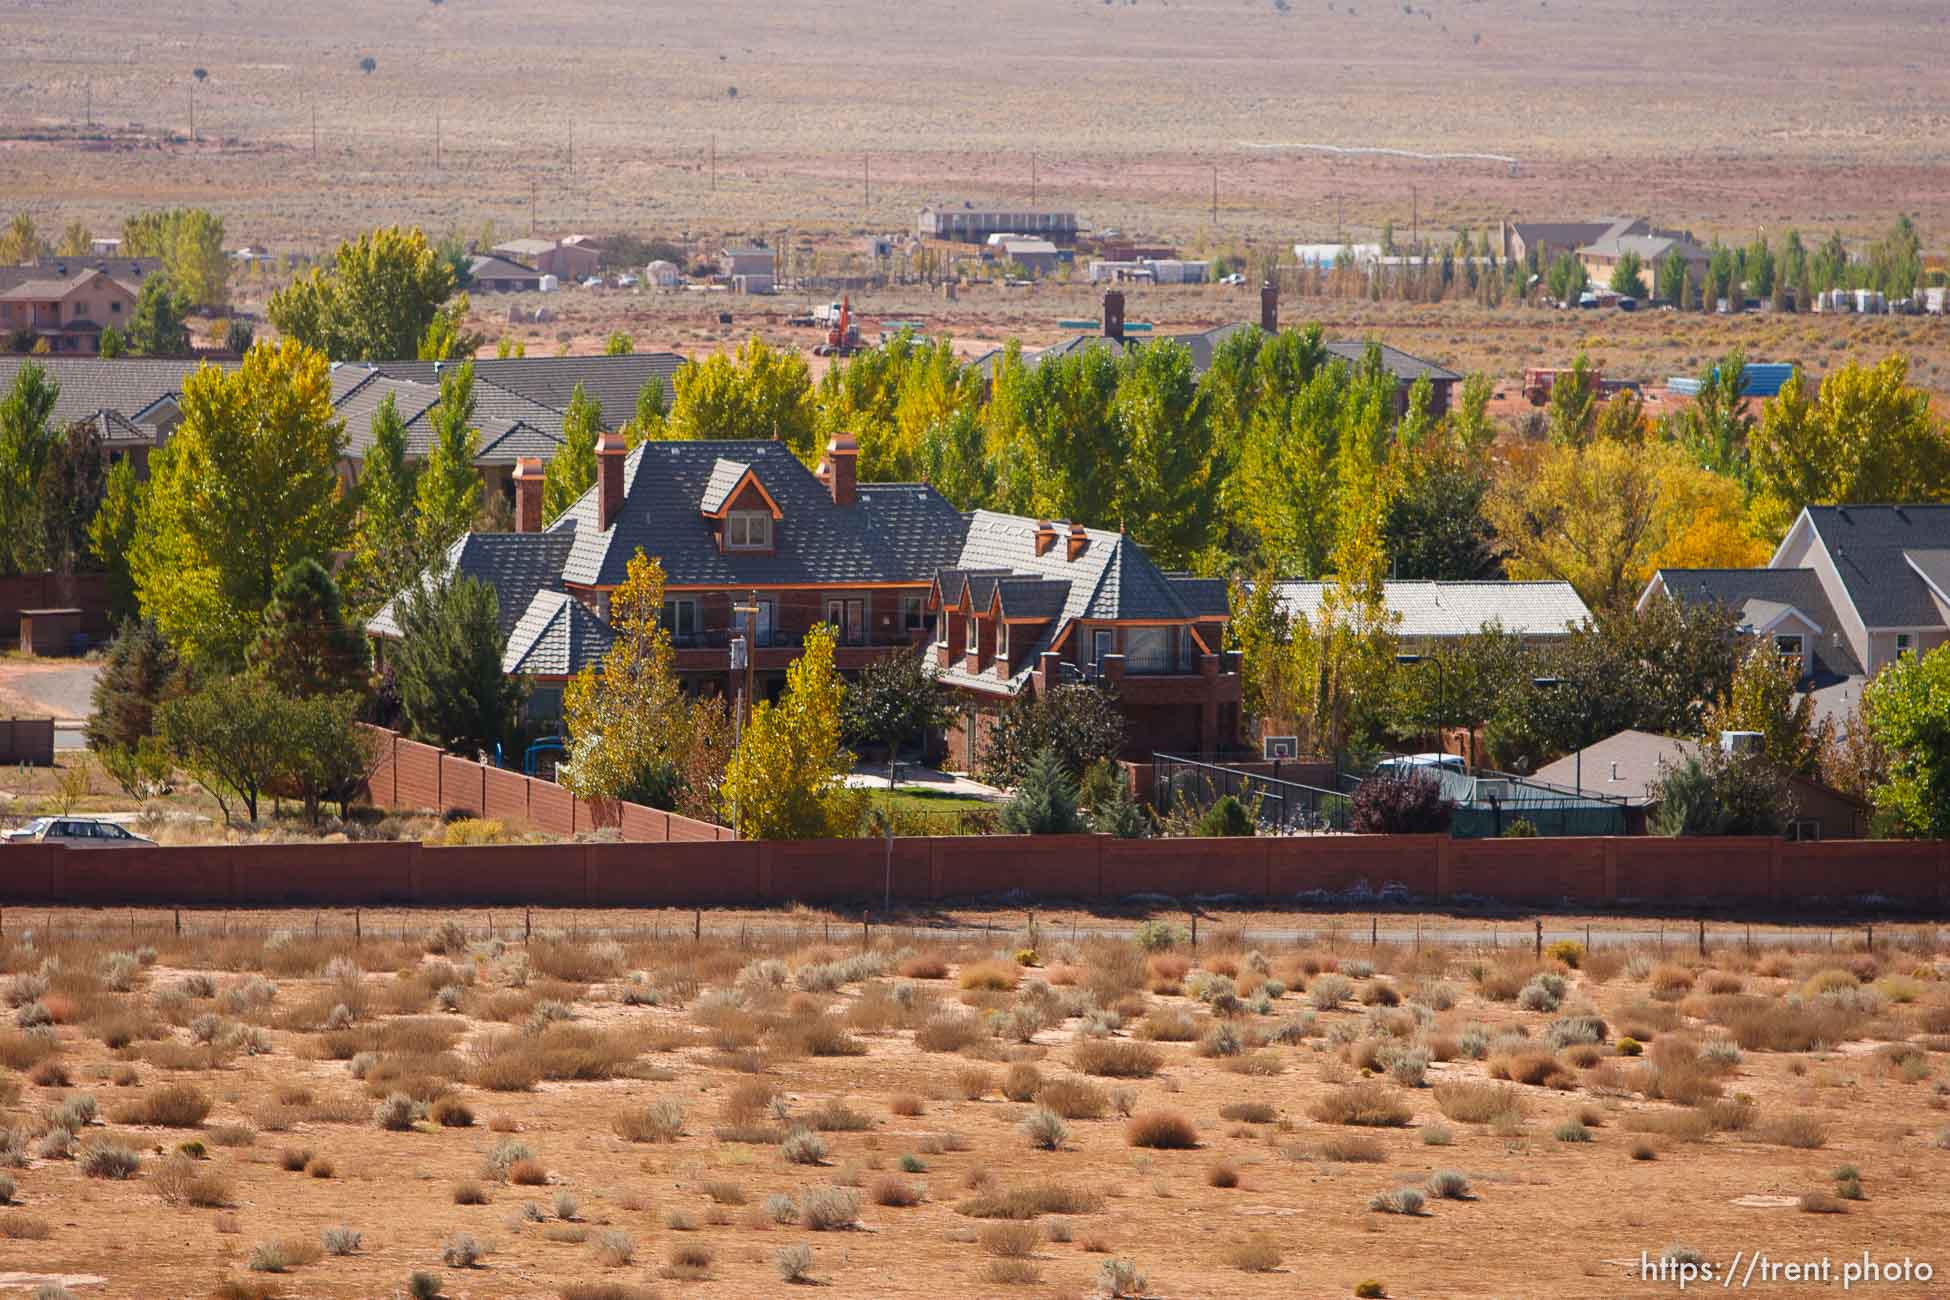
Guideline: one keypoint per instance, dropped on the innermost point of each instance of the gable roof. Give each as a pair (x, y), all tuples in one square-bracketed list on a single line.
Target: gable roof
[(1205, 598), (893, 533), (612, 383), (1933, 566), (128, 386), (510, 427), (50, 275), (1867, 546), (1635, 757), (556, 636), (727, 476), (1565, 234), (1455, 609), (516, 565), (1758, 596), (488, 267)]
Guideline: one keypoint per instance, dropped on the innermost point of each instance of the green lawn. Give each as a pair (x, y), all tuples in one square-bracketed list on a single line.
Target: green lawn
[(932, 801)]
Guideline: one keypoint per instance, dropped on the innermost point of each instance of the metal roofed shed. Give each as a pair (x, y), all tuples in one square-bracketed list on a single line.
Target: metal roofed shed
[(1763, 379)]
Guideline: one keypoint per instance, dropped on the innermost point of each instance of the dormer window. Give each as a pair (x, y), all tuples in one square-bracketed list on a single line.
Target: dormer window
[(748, 530), (974, 635)]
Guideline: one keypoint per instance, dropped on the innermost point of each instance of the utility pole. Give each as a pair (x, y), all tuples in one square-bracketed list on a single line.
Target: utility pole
[(314, 131), (534, 202), (1415, 218), (866, 178), (1032, 179), (572, 153), (714, 162), (91, 103), (192, 110), (1340, 215), (436, 142), (1215, 194)]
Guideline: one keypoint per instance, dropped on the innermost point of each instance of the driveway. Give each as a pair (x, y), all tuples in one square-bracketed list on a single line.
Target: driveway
[(62, 689)]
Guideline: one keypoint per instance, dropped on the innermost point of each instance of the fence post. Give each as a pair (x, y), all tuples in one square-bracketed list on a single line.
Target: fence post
[(527, 923), (1194, 931), (179, 923), (1374, 931), (1539, 922), (697, 927), (357, 938), (1702, 937)]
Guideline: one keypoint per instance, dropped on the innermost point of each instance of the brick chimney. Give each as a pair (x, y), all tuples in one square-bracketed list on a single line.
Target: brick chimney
[(1045, 536), (1114, 314), (840, 471), (528, 495), (610, 453), (1269, 307), (1078, 543)]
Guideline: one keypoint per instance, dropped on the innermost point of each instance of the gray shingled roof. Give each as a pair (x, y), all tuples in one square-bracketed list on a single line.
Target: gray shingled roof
[(510, 427), (895, 532), (126, 385), (1934, 566), (1756, 595), (1206, 598), (1867, 544), (612, 383), (1032, 598), (556, 637), (1453, 609), (516, 565), (1112, 580)]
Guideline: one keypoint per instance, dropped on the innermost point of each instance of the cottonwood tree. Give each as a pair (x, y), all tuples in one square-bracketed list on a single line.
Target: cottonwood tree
[(384, 555), (112, 532), (785, 781), (230, 735), (1908, 708), (448, 490), (1765, 695), (1628, 275), (1867, 435), (634, 733), (246, 487), (27, 440), (572, 470), (759, 392), (374, 302), (447, 666), (156, 327), (190, 244)]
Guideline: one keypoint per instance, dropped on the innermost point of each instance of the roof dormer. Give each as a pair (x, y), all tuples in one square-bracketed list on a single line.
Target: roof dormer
[(742, 513)]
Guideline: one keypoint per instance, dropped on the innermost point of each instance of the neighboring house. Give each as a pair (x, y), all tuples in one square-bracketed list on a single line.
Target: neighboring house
[(64, 306), (746, 259), (1849, 589), (495, 274), (1628, 766), (745, 522), (1428, 614), (1550, 240), (1205, 344), (1035, 255), (1032, 604), (662, 274), (1602, 255), (965, 223), (519, 403), (132, 401), (563, 259), (1326, 257)]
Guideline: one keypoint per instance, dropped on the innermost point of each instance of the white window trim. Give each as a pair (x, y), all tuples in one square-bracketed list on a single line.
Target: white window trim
[(973, 641), (748, 518)]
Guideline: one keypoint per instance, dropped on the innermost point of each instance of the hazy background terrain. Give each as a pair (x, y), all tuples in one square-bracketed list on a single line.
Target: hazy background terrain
[(1722, 116)]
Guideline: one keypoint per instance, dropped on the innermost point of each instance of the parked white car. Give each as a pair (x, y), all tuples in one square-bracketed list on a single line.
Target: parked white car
[(76, 833)]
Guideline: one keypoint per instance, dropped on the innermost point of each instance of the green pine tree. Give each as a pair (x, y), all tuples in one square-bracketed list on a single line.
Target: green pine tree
[(305, 648), (1045, 801), (384, 556)]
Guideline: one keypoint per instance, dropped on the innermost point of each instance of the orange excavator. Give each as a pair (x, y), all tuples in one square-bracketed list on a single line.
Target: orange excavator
[(843, 339)]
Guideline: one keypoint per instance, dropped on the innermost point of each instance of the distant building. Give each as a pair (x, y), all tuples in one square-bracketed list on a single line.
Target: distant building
[(65, 306), (747, 259), (1035, 255), (562, 259), (664, 275), (967, 224), (497, 274), (1550, 240), (1150, 270), (1325, 257), (1428, 614), (1601, 257)]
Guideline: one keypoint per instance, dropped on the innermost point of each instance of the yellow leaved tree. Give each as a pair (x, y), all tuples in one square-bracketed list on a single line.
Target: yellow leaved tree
[(785, 780)]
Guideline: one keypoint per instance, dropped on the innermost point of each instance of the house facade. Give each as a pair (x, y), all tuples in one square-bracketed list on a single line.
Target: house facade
[(752, 541), (967, 224), (68, 310), (1849, 590)]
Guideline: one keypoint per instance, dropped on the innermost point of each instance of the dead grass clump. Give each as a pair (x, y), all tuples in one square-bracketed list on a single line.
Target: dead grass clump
[(1257, 1254), (1165, 1130), (907, 1105), (1168, 1025), (689, 1262), (1669, 983), (1222, 1174), (1248, 1112), (1801, 1132), (990, 976), (974, 1083), (1502, 981), (574, 963), (1030, 1201), (178, 1105), (1011, 1238), (660, 1121), (1679, 1125), (23, 1052), (469, 1192), (605, 1291), (1538, 1069), (1073, 1098), (1116, 1058), (1478, 1103), (1366, 1104), (950, 1031), (16, 1226), (1352, 1150), (1020, 1081), (180, 1180), (924, 966), (528, 1172), (887, 1189), (1771, 1025)]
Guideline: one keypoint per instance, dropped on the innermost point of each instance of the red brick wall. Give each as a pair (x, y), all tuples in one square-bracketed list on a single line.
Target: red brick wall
[(1583, 872), (87, 592)]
